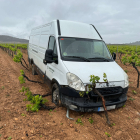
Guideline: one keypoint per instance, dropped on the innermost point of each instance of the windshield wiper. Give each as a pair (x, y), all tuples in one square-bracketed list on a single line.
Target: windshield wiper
[(79, 57), (100, 58)]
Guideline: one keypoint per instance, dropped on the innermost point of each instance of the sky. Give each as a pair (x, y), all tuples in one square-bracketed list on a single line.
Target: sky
[(118, 21)]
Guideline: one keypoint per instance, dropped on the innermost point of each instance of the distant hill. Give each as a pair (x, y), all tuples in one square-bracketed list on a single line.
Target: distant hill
[(135, 43), (10, 39)]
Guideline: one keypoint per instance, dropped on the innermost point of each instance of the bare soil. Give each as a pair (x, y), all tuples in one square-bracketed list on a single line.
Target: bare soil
[(53, 125)]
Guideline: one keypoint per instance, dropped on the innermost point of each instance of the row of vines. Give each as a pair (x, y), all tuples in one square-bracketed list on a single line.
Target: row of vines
[(128, 55), (36, 100)]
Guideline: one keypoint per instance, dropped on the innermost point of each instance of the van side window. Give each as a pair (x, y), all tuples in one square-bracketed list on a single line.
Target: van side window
[(51, 43)]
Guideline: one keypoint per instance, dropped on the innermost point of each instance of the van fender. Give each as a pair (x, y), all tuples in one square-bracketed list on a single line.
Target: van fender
[(54, 81)]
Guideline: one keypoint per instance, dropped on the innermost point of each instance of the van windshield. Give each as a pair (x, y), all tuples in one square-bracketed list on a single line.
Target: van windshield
[(84, 49)]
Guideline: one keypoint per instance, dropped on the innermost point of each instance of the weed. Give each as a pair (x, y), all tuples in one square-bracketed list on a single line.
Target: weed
[(0, 135), (107, 134), (9, 138), (123, 105), (2, 87), (41, 136), (25, 99), (50, 110), (50, 114), (8, 110), (90, 120), (23, 114), (79, 121), (55, 111), (128, 117), (61, 123), (126, 71), (113, 124), (131, 99), (134, 92)]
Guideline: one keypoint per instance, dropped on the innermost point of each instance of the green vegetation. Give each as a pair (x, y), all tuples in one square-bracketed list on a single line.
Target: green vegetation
[(79, 121), (24, 115), (21, 78), (36, 101), (90, 120), (9, 138), (134, 92), (131, 99), (107, 134)]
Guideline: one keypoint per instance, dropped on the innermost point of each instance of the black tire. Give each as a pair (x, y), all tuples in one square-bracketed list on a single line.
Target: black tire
[(33, 70), (56, 95)]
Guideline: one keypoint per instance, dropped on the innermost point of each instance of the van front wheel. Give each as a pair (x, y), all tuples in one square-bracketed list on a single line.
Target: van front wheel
[(55, 95)]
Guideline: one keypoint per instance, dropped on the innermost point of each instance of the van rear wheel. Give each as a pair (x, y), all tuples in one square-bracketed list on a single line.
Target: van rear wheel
[(56, 95), (33, 70)]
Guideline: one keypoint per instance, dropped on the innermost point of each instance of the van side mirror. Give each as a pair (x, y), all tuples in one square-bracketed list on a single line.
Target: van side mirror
[(114, 55), (49, 57)]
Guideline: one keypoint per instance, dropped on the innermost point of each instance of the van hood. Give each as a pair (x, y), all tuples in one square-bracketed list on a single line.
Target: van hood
[(84, 69)]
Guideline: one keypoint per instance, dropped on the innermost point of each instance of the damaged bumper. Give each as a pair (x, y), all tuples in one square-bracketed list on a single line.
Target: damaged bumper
[(114, 96)]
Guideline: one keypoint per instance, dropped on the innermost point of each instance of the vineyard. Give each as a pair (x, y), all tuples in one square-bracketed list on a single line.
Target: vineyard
[(22, 118)]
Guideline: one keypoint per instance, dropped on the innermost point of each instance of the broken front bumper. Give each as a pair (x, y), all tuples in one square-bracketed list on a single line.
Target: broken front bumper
[(113, 96)]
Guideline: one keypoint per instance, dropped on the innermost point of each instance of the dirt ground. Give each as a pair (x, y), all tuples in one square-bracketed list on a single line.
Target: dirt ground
[(53, 125)]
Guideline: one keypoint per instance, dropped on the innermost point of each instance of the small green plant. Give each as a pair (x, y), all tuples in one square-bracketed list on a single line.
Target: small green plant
[(90, 120), (61, 123), (126, 71), (23, 114), (17, 58), (50, 110), (79, 121), (107, 134), (36, 101), (50, 114), (2, 87), (123, 105), (128, 117), (134, 92), (25, 99), (131, 99), (113, 124), (9, 138), (0, 135), (8, 110), (21, 78), (41, 136)]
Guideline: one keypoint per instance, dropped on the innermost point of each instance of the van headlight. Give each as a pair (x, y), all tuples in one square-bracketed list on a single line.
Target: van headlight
[(75, 82), (126, 80)]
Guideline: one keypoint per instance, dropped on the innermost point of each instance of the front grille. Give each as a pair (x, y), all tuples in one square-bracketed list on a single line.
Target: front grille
[(108, 91)]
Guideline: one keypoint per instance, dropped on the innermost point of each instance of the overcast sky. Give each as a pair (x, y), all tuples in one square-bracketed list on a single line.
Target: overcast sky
[(118, 21)]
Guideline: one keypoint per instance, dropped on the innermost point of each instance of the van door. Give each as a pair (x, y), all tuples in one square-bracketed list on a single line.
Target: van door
[(51, 67)]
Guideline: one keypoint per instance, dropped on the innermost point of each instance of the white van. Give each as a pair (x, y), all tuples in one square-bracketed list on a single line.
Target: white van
[(65, 54)]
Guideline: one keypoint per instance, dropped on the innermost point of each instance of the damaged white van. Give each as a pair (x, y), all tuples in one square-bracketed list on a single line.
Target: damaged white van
[(65, 54)]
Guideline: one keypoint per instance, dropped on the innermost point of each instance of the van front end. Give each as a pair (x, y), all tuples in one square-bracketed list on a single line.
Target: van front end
[(115, 97)]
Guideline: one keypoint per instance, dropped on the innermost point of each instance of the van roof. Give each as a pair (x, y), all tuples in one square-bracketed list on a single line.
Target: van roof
[(72, 29), (78, 29)]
